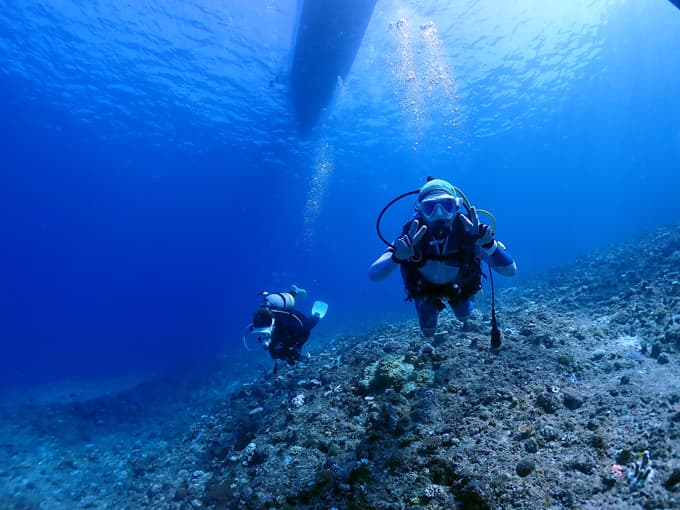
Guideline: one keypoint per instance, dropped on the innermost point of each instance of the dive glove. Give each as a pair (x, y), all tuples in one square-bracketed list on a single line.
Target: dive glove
[(404, 246), (485, 232)]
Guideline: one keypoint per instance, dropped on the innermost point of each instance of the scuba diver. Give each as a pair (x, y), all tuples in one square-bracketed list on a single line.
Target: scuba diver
[(280, 328), (439, 253)]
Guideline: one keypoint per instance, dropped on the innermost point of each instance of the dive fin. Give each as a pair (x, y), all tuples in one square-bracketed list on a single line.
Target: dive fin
[(319, 308)]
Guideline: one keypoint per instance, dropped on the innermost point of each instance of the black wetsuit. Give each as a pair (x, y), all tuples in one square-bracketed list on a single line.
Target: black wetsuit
[(291, 331)]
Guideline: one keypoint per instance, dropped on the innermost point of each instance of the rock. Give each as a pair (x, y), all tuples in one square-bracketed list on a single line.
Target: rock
[(180, 493), (531, 446), (548, 402), (388, 372), (609, 480), (361, 472), (624, 456), (391, 347), (524, 431), (581, 465), (525, 467), (572, 401), (673, 480), (672, 336), (218, 493), (548, 433), (565, 497), (545, 339), (598, 441), (528, 329), (565, 360), (598, 354)]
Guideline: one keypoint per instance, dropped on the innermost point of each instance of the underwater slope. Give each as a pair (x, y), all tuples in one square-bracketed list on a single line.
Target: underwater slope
[(580, 408), (328, 37), (587, 381)]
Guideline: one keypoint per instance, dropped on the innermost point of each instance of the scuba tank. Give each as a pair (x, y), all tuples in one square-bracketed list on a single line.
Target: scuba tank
[(279, 300)]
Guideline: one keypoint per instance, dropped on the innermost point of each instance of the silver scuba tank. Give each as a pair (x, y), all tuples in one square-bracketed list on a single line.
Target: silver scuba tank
[(279, 300)]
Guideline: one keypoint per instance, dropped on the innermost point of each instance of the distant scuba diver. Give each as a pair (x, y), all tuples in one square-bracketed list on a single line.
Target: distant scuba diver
[(440, 252), (280, 328)]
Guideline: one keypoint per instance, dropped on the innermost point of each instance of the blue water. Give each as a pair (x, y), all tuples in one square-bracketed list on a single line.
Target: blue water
[(152, 179)]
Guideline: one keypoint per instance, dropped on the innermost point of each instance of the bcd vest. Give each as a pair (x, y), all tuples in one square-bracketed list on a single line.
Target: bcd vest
[(460, 252)]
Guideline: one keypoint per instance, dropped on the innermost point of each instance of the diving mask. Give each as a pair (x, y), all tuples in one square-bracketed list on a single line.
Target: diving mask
[(264, 334), (438, 207)]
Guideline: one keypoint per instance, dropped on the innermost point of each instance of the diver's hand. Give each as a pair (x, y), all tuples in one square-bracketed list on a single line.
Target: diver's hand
[(485, 236), (485, 233), (404, 246), (297, 291)]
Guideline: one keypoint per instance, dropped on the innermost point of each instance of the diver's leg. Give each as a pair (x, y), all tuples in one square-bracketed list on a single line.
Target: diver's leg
[(427, 315), (463, 310), (310, 322)]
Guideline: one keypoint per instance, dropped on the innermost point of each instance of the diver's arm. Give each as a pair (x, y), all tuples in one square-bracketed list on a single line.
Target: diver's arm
[(497, 257), (383, 266), (297, 292), (486, 247), (402, 250)]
